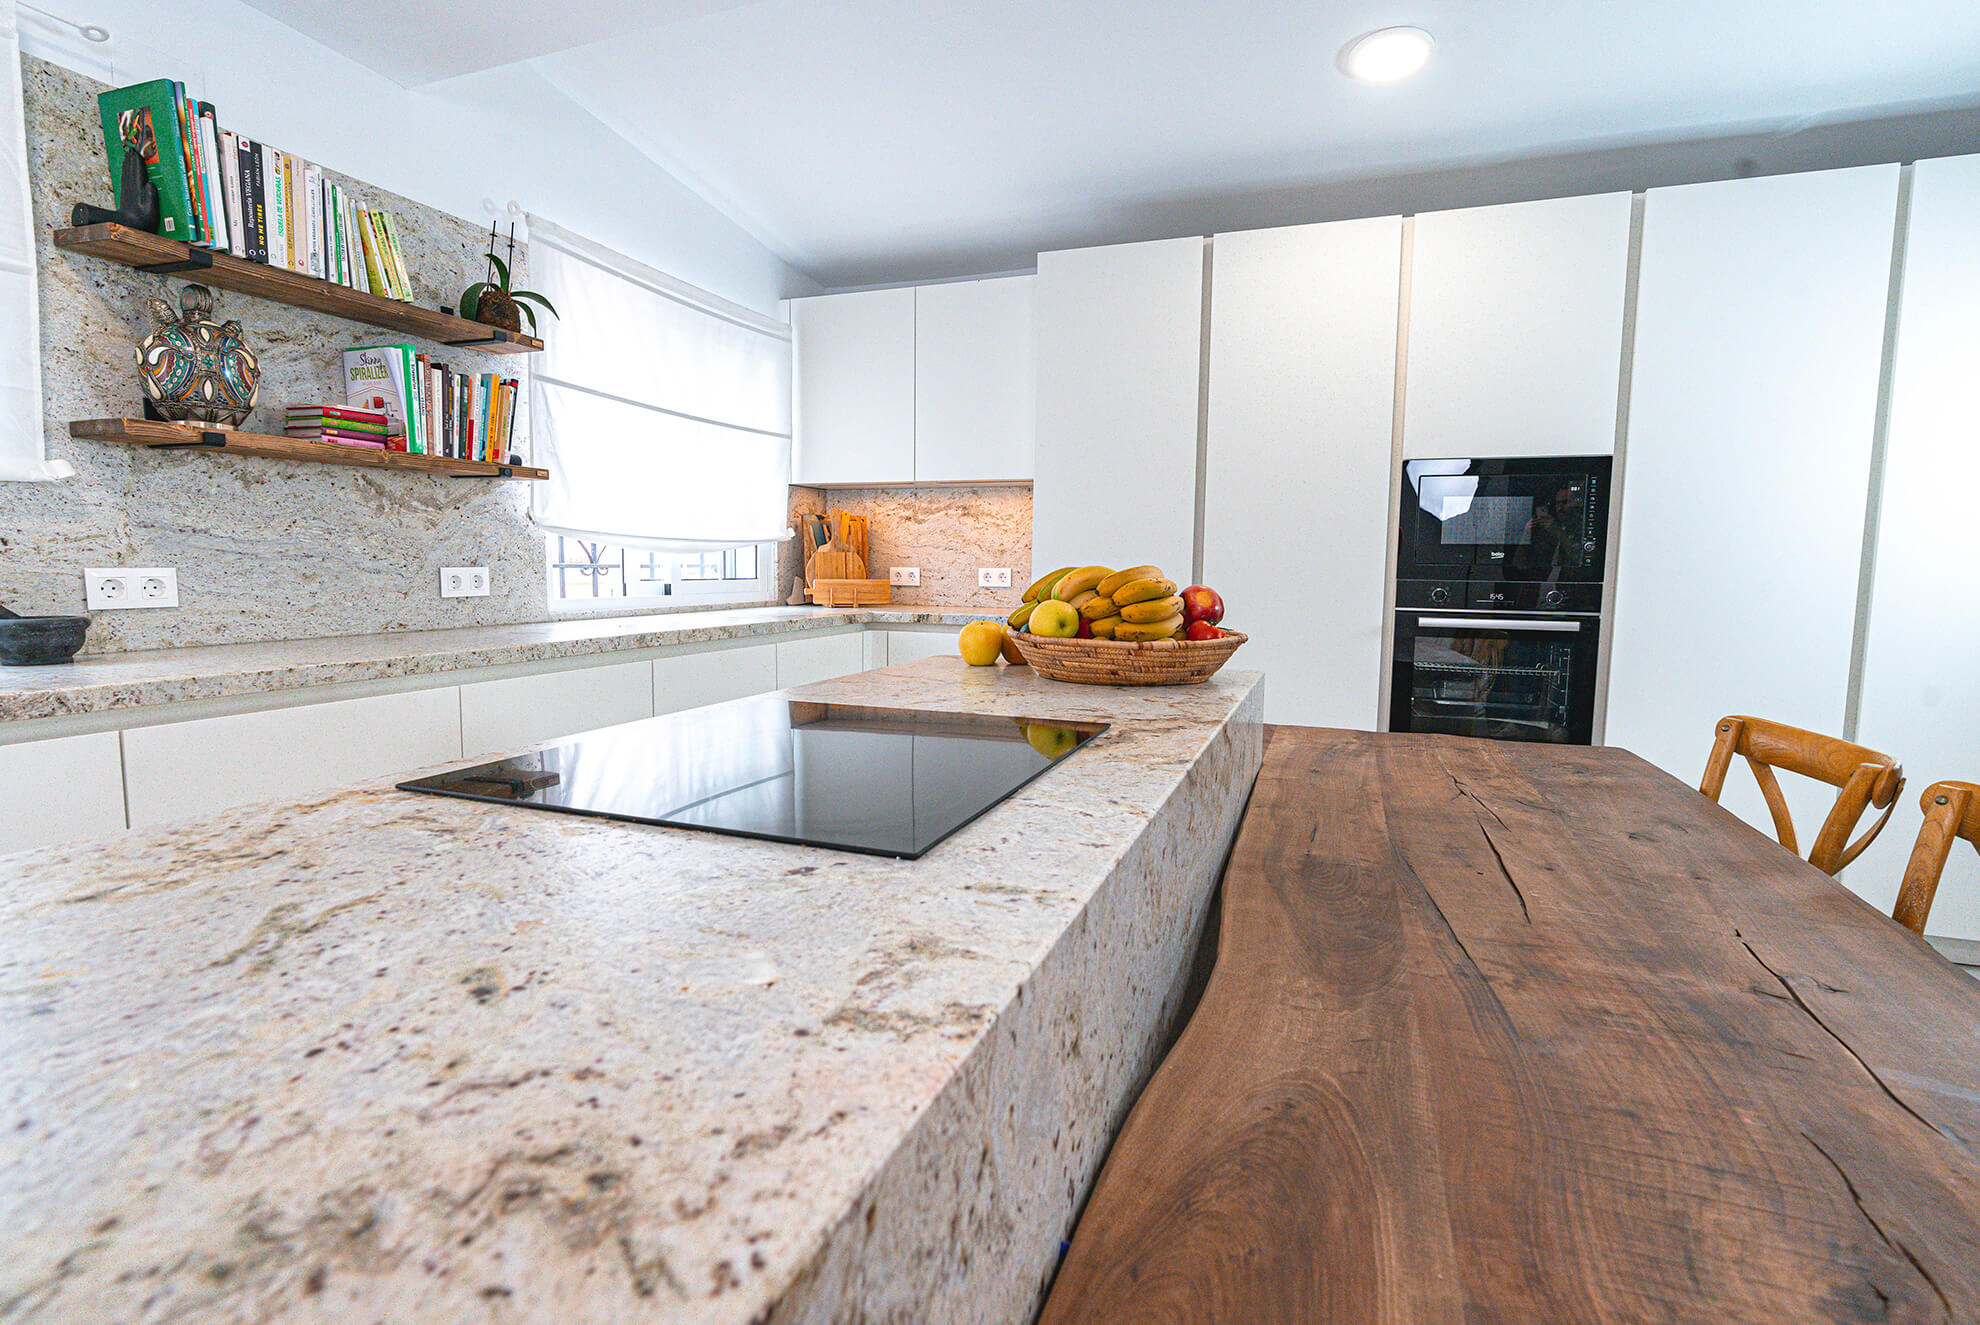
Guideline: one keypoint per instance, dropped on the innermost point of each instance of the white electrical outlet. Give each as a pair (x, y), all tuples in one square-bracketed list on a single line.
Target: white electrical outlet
[(112, 588), (464, 581), (993, 577), (904, 575)]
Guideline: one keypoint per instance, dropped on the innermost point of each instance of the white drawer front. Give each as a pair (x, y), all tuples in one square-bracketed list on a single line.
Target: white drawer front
[(522, 710), (60, 790), (690, 680), (189, 768), (914, 645), (819, 658)]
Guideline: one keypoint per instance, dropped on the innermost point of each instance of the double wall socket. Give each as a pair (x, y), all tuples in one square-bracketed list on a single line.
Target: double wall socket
[(993, 577), (464, 581), (112, 588), (904, 575)]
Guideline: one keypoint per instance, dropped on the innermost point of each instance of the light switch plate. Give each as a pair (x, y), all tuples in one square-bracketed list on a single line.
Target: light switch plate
[(993, 577), (116, 588), (909, 576), (464, 581)]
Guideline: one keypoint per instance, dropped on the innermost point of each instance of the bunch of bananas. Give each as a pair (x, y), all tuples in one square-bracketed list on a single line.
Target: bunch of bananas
[(1140, 603)]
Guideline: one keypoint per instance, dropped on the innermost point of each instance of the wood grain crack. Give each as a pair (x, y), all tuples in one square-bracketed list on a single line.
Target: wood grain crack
[(1466, 793), (1894, 1244), (1505, 870), (1795, 997)]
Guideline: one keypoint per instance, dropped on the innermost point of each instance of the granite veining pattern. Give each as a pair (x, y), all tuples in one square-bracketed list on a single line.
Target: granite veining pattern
[(383, 1057), (949, 532), (167, 676)]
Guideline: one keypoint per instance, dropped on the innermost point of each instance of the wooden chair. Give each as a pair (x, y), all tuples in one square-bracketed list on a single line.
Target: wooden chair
[(1862, 776), (1952, 810)]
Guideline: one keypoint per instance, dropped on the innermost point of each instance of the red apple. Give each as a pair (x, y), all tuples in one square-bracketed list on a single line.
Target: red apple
[(1085, 629), (1202, 630), (1202, 603)]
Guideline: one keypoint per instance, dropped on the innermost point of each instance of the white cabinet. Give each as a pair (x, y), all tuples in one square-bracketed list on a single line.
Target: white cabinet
[(1119, 360), (64, 789), (809, 658), (523, 710), (1296, 498), (1515, 328), (914, 645), (1922, 652), (689, 680), (188, 768), (1760, 321), (974, 412), (853, 387)]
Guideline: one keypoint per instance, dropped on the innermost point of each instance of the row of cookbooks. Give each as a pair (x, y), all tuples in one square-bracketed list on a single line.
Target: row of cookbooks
[(397, 399), (224, 191)]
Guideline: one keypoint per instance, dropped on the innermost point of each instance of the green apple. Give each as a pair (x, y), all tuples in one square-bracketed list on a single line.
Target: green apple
[(1054, 619), (1049, 740)]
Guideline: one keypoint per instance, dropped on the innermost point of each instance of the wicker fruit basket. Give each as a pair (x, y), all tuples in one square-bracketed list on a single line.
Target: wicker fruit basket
[(1106, 662)]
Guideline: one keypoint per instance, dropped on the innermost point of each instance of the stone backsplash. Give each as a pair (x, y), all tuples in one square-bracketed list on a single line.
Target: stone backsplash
[(265, 549), (948, 532)]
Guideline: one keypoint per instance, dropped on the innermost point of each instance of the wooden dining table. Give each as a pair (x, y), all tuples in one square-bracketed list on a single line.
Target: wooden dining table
[(1512, 1033)]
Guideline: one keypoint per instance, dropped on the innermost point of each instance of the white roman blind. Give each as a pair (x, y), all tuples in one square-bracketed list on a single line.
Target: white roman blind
[(21, 455), (662, 412)]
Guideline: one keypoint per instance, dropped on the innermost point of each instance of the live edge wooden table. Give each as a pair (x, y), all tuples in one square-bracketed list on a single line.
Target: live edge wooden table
[(1518, 1034)]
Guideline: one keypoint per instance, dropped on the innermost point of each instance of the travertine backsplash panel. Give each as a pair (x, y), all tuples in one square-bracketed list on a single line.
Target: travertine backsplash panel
[(265, 549), (947, 532)]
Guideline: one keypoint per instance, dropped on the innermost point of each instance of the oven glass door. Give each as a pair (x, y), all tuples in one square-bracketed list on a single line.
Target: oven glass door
[(1538, 526), (1505, 679)]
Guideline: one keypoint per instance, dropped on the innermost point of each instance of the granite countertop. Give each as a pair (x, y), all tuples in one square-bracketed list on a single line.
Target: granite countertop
[(97, 683), (383, 1057)]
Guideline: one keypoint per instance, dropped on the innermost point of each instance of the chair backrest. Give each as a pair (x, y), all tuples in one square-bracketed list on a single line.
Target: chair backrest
[(1862, 777), (1952, 810)]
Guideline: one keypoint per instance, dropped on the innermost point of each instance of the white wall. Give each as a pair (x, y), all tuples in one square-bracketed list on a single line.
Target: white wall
[(499, 135)]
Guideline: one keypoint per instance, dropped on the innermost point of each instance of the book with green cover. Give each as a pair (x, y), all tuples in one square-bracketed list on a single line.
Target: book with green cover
[(145, 117), (380, 377)]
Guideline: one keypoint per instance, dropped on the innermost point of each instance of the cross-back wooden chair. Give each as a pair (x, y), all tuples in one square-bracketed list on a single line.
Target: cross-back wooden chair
[(1863, 777), (1952, 811)]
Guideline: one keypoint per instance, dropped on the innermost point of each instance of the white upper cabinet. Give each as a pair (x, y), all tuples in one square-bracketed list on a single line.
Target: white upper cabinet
[(1759, 337), (854, 388), (1515, 328), (1296, 496), (1923, 647), (1119, 360), (974, 410)]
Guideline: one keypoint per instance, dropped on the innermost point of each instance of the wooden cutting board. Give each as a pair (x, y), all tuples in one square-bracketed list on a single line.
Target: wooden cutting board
[(837, 561)]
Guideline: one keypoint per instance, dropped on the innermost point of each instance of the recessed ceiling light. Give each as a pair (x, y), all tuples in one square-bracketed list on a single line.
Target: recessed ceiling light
[(1386, 54)]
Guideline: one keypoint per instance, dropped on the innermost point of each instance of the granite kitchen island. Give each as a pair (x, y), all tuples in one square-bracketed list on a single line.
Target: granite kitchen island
[(386, 1057)]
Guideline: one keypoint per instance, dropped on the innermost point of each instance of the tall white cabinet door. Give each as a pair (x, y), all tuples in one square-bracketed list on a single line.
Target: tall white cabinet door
[(975, 414), (1296, 498), (689, 680), (853, 387), (1119, 357), (523, 710), (1515, 328), (208, 764), (1922, 655), (65, 789), (1759, 337)]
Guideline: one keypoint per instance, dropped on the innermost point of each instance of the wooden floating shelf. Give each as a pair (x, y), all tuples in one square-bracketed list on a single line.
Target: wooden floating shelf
[(193, 436), (175, 257)]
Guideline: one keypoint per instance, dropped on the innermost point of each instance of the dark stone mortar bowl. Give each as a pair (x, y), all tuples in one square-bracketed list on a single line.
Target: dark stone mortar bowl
[(31, 641)]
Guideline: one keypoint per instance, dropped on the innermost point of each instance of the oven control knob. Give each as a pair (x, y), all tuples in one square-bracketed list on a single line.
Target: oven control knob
[(1589, 546), (1553, 598), (1440, 595)]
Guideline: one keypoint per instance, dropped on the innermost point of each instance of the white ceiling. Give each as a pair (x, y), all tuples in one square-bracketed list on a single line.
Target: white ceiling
[(869, 140)]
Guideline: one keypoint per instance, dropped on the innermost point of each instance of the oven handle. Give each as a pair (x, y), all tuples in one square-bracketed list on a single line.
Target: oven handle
[(1495, 623)]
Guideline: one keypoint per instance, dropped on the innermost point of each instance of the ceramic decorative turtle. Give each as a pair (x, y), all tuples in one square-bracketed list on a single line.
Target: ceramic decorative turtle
[(194, 368)]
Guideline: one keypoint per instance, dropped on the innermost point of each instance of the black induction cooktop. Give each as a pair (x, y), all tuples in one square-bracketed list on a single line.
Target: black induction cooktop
[(888, 782)]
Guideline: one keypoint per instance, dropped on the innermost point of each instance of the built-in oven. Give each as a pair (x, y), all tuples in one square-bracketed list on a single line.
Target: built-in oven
[(1503, 675), (1500, 566)]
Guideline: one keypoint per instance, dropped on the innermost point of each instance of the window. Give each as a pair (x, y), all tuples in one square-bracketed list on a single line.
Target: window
[(663, 414), (585, 573), (21, 456)]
